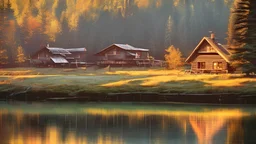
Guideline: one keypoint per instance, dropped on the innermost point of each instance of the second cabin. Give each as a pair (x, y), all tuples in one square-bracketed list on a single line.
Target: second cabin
[(53, 56), (210, 57), (123, 55)]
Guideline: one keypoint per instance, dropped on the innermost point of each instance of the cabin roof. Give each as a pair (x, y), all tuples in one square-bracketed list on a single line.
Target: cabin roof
[(59, 60), (76, 50), (221, 49), (130, 48), (55, 50), (60, 51), (125, 47)]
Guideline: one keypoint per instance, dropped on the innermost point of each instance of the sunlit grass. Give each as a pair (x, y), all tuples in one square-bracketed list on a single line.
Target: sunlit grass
[(145, 72), (209, 80), (18, 72), (75, 81), (230, 82), (5, 82)]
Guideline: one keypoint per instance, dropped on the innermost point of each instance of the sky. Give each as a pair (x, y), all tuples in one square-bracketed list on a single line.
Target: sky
[(96, 24)]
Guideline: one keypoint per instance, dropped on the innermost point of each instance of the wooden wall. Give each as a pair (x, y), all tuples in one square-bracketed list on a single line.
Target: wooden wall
[(204, 47), (79, 56), (43, 54), (209, 59), (121, 54)]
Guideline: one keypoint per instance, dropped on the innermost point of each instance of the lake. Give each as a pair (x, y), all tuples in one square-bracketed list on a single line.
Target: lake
[(126, 123)]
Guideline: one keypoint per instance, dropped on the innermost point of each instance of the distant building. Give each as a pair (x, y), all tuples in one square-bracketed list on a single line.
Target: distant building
[(123, 55), (210, 56), (59, 56)]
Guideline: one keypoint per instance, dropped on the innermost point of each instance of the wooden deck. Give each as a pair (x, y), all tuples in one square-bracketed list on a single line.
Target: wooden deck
[(141, 62), (206, 71)]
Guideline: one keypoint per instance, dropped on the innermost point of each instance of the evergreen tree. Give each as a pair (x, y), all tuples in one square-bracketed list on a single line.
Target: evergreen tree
[(242, 35), (20, 55), (3, 52), (3, 56), (168, 31), (245, 58), (238, 24)]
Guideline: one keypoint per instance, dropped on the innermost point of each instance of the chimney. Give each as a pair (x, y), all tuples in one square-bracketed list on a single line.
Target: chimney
[(212, 35)]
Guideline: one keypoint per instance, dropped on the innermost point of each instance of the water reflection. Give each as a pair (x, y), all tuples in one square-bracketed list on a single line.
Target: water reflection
[(117, 124)]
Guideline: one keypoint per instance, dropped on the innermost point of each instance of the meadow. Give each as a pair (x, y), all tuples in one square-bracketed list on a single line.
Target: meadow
[(122, 80)]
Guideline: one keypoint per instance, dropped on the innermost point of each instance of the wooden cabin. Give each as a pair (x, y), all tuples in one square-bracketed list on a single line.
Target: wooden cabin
[(209, 56), (77, 56), (123, 55), (58, 56)]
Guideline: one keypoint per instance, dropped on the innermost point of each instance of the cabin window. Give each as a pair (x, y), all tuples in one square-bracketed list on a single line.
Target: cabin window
[(201, 65), (114, 52), (217, 65), (137, 55), (210, 49)]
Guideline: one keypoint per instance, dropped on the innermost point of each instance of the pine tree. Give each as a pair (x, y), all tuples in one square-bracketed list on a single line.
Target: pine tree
[(242, 35), (173, 57), (3, 56), (245, 58), (238, 24), (20, 55), (168, 31)]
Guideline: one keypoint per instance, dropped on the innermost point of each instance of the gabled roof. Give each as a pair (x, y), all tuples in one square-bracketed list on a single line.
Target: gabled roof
[(76, 50), (125, 47), (60, 51), (55, 50), (130, 48), (220, 49)]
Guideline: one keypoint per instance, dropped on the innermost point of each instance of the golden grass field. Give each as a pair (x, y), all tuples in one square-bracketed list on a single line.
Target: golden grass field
[(73, 81)]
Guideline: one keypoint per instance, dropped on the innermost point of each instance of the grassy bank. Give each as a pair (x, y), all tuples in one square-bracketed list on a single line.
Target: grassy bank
[(76, 82)]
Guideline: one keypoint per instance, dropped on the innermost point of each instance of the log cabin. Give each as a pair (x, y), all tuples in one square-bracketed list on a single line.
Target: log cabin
[(123, 55), (77, 56), (209, 56), (53, 56)]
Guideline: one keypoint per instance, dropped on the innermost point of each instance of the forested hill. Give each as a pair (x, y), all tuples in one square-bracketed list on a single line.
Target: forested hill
[(95, 24)]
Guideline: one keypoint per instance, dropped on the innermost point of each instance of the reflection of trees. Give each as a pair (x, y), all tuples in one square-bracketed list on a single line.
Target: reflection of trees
[(117, 126), (235, 132), (206, 127)]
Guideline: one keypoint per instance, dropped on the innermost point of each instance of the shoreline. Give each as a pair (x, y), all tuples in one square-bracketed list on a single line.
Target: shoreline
[(214, 98)]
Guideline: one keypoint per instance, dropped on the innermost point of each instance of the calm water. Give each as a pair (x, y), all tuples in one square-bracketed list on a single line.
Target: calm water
[(128, 123), (95, 24)]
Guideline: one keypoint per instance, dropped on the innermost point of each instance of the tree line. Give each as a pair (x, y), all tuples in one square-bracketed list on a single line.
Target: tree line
[(241, 38)]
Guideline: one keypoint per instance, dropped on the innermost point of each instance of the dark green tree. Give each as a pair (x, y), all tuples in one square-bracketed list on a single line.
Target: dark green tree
[(242, 35), (245, 58)]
